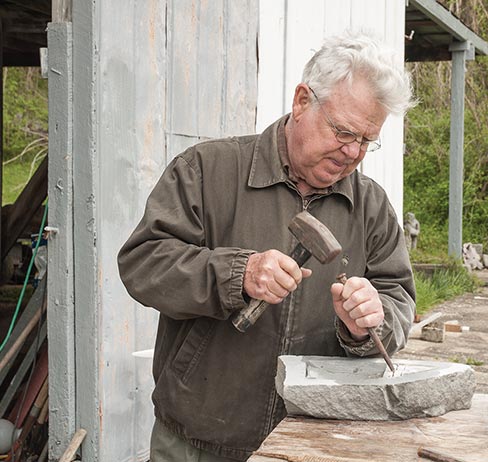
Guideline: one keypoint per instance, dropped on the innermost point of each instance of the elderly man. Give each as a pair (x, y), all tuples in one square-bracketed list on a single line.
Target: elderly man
[(214, 234)]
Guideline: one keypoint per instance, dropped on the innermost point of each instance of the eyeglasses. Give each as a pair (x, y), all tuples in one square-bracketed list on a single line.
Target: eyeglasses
[(347, 137)]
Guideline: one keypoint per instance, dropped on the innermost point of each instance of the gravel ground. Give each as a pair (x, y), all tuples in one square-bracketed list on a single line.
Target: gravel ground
[(469, 347)]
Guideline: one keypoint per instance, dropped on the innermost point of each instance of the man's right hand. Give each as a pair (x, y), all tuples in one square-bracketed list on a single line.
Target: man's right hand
[(272, 275)]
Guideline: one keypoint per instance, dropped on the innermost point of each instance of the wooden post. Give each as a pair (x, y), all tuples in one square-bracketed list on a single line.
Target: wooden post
[(60, 307)]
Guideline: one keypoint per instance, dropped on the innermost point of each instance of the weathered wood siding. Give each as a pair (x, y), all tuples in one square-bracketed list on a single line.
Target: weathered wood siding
[(292, 30), (149, 78)]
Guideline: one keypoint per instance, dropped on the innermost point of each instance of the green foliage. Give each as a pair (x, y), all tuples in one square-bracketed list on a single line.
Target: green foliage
[(427, 145), (25, 127), (427, 156), (442, 285)]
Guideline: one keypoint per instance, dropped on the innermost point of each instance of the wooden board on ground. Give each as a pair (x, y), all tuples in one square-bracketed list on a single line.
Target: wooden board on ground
[(459, 434)]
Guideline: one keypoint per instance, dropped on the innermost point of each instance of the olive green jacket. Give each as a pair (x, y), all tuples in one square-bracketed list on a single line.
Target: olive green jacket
[(214, 205)]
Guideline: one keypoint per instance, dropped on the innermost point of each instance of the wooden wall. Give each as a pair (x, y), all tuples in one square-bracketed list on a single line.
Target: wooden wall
[(149, 78)]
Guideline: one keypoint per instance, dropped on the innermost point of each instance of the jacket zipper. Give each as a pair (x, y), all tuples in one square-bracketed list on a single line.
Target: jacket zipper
[(285, 343)]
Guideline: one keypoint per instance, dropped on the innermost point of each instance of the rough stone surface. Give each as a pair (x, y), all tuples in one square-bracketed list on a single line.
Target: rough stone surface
[(433, 333), (466, 347), (364, 388)]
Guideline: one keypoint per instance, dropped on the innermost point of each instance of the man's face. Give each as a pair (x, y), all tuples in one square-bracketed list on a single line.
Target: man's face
[(316, 157)]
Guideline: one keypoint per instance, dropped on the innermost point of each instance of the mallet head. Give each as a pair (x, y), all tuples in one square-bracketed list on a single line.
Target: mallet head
[(315, 237)]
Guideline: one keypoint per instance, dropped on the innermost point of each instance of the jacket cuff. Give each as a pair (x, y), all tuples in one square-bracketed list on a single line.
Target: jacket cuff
[(353, 347), (238, 269)]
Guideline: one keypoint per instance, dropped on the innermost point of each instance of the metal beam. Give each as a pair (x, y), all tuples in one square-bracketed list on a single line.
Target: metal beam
[(461, 51)]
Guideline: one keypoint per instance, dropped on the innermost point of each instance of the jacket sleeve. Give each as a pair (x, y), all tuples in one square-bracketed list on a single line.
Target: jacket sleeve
[(389, 271), (165, 264)]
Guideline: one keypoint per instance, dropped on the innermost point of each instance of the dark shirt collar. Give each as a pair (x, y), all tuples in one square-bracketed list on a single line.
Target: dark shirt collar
[(270, 163)]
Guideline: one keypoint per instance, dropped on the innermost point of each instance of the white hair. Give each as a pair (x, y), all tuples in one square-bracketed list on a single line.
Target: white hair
[(358, 54)]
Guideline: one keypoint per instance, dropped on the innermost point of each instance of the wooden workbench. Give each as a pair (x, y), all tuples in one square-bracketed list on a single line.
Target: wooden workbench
[(458, 434)]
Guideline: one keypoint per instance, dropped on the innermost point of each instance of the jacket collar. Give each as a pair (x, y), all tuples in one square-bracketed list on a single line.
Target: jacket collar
[(267, 170)]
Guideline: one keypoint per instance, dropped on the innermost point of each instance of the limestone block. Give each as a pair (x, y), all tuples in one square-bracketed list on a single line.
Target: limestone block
[(364, 388)]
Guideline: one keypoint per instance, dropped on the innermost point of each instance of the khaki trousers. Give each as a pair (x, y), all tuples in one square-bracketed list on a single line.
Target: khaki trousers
[(167, 447)]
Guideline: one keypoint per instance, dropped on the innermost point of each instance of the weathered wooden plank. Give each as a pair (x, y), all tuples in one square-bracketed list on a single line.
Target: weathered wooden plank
[(238, 115), (33, 309), (131, 155), (458, 434), (60, 245), (303, 38), (210, 67), (86, 125), (337, 16), (154, 87), (61, 10), (271, 98), (183, 37), (22, 370)]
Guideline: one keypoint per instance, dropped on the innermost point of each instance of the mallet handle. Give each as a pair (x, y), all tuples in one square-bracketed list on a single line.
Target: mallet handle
[(245, 318)]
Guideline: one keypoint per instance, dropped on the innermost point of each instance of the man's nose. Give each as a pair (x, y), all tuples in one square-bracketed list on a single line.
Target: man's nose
[(352, 150)]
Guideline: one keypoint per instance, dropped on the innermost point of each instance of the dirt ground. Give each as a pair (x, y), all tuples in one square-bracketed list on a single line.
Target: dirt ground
[(470, 346)]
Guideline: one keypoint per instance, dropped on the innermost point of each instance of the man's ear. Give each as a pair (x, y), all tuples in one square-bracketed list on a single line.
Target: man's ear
[(301, 101)]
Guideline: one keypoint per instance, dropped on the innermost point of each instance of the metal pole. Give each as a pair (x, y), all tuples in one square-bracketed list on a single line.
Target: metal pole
[(461, 51)]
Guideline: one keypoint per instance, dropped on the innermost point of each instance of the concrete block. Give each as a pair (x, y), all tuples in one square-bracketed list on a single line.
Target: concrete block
[(364, 388)]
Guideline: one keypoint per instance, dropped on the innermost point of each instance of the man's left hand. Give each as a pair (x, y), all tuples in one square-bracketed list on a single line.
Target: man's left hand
[(358, 305)]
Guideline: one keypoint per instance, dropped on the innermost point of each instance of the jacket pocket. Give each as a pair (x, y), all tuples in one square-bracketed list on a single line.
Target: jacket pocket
[(193, 347)]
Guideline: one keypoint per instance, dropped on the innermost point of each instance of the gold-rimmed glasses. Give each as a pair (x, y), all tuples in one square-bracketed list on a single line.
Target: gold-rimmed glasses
[(347, 137)]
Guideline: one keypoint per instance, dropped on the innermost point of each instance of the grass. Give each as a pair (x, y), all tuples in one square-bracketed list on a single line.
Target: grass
[(15, 177), (442, 285), (469, 361)]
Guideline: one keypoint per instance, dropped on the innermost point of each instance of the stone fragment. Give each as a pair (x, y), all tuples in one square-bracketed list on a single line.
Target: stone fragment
[(433, 333), (416, 330), (471, 257), (364, 389)]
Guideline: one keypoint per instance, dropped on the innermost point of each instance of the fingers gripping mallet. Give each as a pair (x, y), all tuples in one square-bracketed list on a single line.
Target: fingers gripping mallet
[(314, 239)]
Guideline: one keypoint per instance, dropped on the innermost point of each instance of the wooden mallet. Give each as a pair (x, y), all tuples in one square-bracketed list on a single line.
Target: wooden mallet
[(314, 239)]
